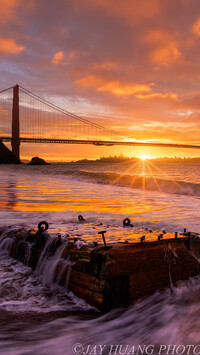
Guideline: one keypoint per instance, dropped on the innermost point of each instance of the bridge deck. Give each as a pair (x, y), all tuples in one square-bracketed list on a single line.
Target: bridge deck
[(99, 143)]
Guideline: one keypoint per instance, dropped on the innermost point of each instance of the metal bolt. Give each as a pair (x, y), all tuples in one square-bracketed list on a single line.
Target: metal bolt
[(126, 222), (104, 241)]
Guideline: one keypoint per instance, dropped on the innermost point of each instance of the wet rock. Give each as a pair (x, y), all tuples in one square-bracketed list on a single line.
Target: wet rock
[(38, 161)]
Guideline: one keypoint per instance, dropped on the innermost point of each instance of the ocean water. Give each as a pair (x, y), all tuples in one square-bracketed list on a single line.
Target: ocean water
[(39, 317)]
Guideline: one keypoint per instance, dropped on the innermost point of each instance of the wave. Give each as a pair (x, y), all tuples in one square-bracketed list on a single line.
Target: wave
[(116, 179), (140, 182)]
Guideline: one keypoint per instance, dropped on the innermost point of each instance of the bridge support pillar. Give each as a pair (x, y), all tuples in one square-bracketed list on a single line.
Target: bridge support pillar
[(15, 122)]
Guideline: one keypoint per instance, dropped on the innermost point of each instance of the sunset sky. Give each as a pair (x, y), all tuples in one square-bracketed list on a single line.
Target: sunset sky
[(130, 65)]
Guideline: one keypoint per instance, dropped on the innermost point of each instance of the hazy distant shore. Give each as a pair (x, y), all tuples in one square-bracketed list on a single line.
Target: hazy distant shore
[(121, 159)]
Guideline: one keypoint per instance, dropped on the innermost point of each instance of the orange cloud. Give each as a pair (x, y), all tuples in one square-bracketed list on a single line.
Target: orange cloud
[(114, 87), (120, 89), (196, 28), (91, 80), (7, 7), (166, 55), (58, 58), (164, 47), (168, 95), (9, 46), (105, 65), (156, 37)]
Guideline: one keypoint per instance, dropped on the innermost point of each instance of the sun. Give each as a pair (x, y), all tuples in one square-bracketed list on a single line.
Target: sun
[(143, 157)]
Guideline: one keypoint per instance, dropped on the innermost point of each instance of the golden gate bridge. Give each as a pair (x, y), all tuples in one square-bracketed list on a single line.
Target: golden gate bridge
[(29, 118)]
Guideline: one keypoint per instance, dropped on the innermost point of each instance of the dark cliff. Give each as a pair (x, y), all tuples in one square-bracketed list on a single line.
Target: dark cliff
[(6, 156)]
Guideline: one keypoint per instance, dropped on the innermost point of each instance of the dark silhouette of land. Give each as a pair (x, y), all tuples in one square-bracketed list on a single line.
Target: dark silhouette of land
[(122, 159), (38, 161), (6, 156)]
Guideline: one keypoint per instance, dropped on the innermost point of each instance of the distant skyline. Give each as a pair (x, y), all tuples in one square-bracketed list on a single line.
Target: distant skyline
[(133, 65)]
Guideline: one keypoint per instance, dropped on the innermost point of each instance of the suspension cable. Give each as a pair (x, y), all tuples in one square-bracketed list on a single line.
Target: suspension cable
[(1, 91), (78, 118)]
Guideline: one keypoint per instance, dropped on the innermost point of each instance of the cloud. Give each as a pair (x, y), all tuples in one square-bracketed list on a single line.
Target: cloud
[(58, 58), (9, 47), (196, 27), (7, 9), (114, 87), (157, 95), (121, 89), (164, 47), (106, 65), (166, 54)]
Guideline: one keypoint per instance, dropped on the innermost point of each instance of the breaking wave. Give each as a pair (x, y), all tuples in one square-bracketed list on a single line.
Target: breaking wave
[(141, 182)]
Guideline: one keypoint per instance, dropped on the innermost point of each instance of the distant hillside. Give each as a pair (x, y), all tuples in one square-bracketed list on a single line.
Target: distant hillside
[(6, 156), (114, 159), (121, 159)]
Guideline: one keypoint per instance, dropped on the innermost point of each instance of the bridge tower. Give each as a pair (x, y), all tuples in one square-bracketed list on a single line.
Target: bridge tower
[(15, 142)]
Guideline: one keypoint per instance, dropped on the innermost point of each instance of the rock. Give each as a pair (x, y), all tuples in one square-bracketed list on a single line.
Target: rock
[(38, 161), (6, 156)]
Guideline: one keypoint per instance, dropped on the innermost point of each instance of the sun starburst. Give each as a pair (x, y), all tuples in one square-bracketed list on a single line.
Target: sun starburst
[(143, 157)]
